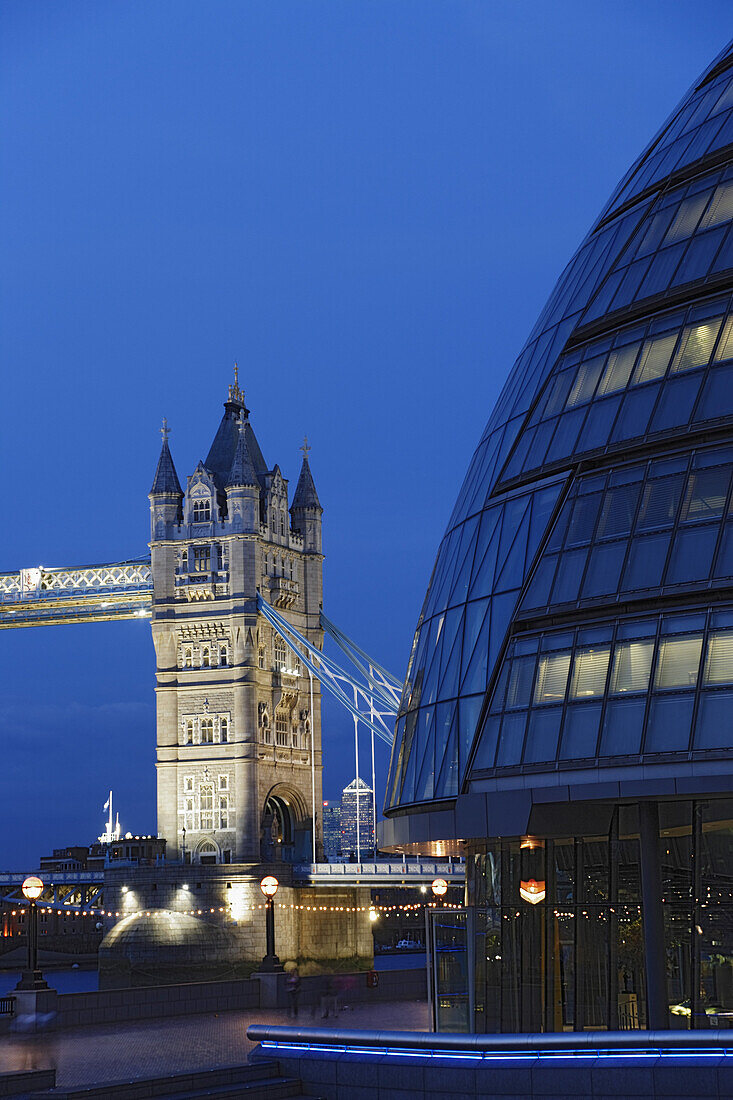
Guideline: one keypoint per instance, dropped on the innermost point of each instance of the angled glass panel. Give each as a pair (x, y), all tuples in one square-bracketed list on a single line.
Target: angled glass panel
[(635, 412), (447, 783), (623, 722), (580, 732), (669, 723), (483, 579), (469, 709), (676, 403), (645, 564), (538, 593), (569, 576), (716, 399), (477, 672), (660, 502), (586, 381), (542, 735), (692, 555), (511, 739), (521, 679), (603, 572), (713, 729), (476, 612), (486, 750), (724, 561), (619, 509)]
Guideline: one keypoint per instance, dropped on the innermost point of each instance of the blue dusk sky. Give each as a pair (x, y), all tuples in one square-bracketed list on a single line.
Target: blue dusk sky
[(365, 203)]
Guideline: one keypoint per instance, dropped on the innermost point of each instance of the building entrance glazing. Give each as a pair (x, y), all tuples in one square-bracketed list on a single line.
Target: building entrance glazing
[(563, 933)]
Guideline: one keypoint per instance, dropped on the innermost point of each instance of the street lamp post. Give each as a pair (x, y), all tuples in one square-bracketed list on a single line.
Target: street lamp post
[(271, 963), (439, 887), (32, 979)]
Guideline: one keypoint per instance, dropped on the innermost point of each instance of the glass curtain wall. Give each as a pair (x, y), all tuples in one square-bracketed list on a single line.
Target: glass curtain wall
[(557, 933)]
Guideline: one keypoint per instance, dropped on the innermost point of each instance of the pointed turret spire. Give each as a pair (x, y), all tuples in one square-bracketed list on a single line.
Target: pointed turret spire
[(242, 471), (166, 478), (305, 492)]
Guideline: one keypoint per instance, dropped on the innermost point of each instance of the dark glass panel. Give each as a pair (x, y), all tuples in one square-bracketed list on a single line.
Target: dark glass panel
[(717, 395), (542, 735), (538, 592), (676, 404), (706, 494), (468, 713), (566, 435), (645, 565), (692, 555), (598, 424), (583, 520), (569, 575), (604, 569), (668, 726), (622, 727), (659, 502), (580, 732), (713, 729), (634, 416), (619, 509), (511, 739), (724, 563), (486, 750)]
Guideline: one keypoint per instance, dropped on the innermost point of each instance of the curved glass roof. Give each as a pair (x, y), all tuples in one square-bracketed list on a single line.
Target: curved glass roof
[(568, 617)]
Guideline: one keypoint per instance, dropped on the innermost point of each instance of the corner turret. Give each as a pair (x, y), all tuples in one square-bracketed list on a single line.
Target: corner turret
[(165, 495), (306, 511)]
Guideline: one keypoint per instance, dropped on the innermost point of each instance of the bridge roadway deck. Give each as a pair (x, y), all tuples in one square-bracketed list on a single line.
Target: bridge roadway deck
[(304, 874)]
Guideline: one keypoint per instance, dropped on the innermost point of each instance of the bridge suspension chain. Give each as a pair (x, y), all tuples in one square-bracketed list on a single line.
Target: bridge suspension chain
[(370, 693)]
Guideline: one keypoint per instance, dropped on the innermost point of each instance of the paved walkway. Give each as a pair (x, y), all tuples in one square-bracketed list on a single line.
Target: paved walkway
[(119, 1052)]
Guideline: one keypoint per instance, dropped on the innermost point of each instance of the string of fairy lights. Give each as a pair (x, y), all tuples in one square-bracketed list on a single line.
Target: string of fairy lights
[(377, 909)]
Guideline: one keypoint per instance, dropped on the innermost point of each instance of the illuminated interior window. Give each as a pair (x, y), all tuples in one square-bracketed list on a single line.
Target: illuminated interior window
[(589, 672), (201, 511), (207, 731), (632, 663), (719, 659), (678, 662), (552, 677)]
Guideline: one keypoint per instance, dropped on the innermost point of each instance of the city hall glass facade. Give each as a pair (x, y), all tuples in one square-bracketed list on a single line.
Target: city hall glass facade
[(567, 715)]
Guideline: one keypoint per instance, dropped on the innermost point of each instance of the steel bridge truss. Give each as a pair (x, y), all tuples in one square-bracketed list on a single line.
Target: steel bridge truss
[(369, 692), (42, 596), (78, 892)]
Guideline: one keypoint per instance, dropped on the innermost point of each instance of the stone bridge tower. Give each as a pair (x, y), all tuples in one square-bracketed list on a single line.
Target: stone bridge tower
[(235, 727)]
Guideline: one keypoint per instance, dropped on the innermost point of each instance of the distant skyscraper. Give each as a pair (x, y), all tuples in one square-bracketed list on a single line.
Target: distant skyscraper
[(349, 799), (332, 830)]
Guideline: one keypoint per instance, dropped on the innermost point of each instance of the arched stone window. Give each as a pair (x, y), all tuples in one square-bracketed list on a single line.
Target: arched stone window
[(201, 511), (188, 657), (205, 657), (223, 654), (224, 730), (207, 733), (189, 732), (280, 653)]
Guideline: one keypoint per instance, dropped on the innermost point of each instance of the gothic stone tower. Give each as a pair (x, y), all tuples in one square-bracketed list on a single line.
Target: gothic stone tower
[(235, 730)]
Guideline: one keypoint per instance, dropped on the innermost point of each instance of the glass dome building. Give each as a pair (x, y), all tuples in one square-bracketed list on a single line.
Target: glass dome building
[(567, 715)]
